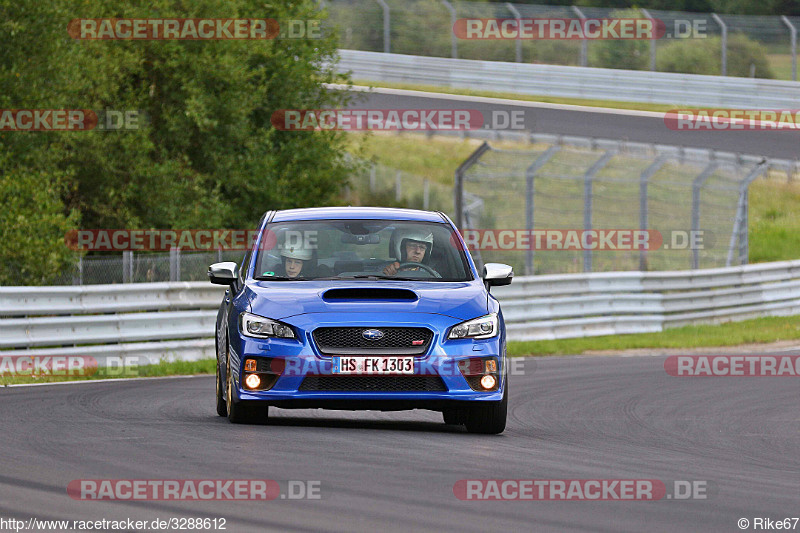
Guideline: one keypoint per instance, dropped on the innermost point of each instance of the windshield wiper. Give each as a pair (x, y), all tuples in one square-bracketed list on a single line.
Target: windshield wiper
[(280, 278), (380, 276)]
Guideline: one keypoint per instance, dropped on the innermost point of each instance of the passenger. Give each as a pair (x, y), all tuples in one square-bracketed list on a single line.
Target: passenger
[(296, 262)]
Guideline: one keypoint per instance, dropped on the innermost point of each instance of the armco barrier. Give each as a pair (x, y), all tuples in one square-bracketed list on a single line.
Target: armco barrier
[(573, 82), (176, 320)]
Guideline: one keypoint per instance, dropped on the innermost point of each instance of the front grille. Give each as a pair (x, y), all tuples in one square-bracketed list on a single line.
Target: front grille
[(395, 341), (373, 383)]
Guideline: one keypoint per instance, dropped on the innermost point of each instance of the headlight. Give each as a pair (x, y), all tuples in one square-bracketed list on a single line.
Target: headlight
[(263, 328), (477, 328)]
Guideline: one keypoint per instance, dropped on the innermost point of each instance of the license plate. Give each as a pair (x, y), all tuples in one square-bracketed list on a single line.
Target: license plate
[(373, 365)]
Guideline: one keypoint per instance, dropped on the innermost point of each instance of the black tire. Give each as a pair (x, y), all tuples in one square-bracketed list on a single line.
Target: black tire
[(222, 406), (453, 417), (243, 412), (488, 418)]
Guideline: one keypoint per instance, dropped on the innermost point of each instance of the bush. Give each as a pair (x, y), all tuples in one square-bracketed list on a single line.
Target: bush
[(703, 56), (627, 54)]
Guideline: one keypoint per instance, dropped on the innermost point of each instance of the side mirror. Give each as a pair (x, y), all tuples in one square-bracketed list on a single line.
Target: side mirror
[(497, 274), (224, 273)]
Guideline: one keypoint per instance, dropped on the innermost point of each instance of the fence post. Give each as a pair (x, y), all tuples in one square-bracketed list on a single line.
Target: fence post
[(724, 28), (740, 230), (793, 31), (453, 38), (518, 44), (398, 186), (127, 266), (644, 179), (587, 202), (372, 178), (426, 194), (530, 173), (653, 41), (387, 39), (584, 42), (79, 278), (697, 185), (174, 264), (458, 188)]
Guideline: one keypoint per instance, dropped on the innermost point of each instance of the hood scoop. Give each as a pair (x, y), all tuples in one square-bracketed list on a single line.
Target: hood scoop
[(369, 293)]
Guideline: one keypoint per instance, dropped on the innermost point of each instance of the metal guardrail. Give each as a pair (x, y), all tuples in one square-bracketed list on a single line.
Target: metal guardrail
[(146, 321), (609, 303), (535, 308), (574, 82)]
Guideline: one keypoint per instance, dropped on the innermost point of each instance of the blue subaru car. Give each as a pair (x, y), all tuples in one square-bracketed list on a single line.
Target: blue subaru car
[(361, 308)]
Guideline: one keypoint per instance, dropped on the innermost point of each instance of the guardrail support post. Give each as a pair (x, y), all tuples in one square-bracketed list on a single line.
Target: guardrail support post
[(518, 44), (387, 39), (740, 230), (458, 188), (453, 38), (584, 42), (426, 194), (724, 28), (653, 41), (587, 202), (530, 173), (697, 185), (793, 31), (644, 178)]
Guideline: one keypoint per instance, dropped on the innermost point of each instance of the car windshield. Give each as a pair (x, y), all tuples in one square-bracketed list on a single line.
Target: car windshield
[(361, 249)]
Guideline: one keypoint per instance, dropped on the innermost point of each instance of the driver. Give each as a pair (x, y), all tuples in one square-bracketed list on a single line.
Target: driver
[(412, 246)]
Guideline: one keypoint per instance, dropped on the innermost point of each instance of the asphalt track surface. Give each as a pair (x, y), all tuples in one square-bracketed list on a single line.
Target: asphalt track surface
[(609, 124), (569, 418)]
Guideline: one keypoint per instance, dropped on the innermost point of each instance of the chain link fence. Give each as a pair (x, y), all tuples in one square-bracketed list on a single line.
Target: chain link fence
[(691, 202), (425, 27)]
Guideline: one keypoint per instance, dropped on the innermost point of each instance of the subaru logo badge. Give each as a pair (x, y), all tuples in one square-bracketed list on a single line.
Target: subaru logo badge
[(372, 334)]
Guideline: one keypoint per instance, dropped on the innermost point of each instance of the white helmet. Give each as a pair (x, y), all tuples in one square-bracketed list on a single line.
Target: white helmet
[(412, 234), (295, 251)]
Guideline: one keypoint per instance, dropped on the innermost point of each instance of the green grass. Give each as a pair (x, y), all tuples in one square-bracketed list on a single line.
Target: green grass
[(637, 106), (756, 331), (781, 65), (164, 368)]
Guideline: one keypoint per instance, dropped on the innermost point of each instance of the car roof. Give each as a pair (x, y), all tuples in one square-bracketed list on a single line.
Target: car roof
[(385, 213)]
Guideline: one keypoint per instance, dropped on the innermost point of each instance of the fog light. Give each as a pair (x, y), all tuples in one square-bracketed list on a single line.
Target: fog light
[(253, 381), (488, 381), (250, 365)]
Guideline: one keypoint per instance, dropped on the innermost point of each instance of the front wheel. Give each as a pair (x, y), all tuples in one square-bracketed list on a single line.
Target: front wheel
[(488, 417), (222, 405), (243, 412)]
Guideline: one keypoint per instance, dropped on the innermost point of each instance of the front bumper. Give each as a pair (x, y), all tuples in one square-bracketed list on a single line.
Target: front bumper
[(301, 359)]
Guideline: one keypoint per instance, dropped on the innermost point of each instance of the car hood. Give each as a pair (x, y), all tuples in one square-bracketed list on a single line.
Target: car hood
[(283, 299)]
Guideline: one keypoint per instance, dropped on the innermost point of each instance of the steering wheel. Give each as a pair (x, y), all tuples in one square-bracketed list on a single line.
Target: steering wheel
[(426, 268)]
